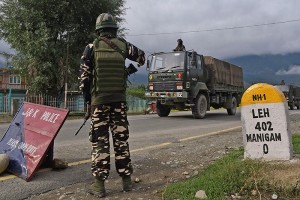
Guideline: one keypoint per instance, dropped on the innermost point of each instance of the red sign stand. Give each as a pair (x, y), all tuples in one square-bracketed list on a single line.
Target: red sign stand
[(29, 135)]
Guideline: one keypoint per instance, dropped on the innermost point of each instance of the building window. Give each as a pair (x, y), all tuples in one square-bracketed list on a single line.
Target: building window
[(14, 79)]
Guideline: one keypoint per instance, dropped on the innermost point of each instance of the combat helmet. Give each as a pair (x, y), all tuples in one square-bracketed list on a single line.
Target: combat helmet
[(106, 20)]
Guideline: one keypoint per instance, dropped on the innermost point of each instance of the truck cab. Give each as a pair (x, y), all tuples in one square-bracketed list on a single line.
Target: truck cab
[(171, 77), (292, 95)]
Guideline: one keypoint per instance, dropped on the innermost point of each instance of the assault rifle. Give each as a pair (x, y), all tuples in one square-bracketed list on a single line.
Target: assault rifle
[(131, 69), (86, 117), (81, 126)]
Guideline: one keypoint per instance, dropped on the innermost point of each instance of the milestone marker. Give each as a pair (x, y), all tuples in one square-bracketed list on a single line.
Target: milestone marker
[(265, 123)]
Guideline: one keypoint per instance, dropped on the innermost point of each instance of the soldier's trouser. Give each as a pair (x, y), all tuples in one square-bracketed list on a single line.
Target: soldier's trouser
[(111, 116)]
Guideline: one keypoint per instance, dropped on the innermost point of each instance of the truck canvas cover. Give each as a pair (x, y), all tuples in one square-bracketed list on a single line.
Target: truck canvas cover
[(223, 73), (296, 91)]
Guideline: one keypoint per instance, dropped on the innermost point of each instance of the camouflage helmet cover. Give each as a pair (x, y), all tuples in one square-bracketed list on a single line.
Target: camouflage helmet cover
[(106, 20)]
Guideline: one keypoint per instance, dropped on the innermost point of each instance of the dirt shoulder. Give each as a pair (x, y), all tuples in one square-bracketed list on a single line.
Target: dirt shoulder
[(163, 166)]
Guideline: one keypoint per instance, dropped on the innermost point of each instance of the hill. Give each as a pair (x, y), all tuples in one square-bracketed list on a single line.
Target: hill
[(138, 78), (269, 68)]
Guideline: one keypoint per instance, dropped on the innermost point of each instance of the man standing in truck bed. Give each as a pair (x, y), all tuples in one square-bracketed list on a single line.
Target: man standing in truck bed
[(180, 46)]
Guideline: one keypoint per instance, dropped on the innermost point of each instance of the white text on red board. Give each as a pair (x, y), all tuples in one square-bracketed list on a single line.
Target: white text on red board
[(46, 116)]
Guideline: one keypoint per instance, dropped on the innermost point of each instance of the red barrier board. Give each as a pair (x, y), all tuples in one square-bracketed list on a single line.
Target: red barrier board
[(29, 135)]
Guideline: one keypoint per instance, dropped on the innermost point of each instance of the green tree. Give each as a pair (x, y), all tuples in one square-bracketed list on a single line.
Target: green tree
[(49, 37), (137, 91)]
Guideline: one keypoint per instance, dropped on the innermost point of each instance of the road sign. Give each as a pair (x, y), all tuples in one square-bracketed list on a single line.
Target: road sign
[(28, 137), (265, 123)]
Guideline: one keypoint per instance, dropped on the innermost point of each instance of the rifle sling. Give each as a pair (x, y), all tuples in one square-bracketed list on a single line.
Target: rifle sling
[(112, 45)]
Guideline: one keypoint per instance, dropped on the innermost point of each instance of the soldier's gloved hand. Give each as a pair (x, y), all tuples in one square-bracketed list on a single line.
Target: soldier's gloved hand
[(88, 112), (141, 58), (87, 115)]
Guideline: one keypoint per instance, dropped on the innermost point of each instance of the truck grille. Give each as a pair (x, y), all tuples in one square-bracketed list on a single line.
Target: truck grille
[(164, 77), (165, 86)]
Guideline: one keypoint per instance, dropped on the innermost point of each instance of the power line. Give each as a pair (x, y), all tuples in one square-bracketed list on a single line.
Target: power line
[(217, 29)]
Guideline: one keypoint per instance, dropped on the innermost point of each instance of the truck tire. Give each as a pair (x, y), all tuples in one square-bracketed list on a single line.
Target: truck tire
[(200, 107), (232, 109), (292, 106), (162, 110)]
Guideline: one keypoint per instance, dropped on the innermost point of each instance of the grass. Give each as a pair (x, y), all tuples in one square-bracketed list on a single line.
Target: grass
[(4, 118), (249, 179), (296, 143)]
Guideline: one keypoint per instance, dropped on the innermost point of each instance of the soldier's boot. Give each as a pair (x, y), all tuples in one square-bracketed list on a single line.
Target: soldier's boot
[(127, 183), (97, 188)]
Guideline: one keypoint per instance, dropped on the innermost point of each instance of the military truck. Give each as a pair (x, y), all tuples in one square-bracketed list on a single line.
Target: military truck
[(292, 95), (187, 80)]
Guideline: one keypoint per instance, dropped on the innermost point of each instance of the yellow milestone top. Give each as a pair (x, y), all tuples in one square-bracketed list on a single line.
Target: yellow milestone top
[(262, 93)]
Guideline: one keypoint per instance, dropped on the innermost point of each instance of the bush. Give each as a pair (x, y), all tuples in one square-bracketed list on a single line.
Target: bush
[(137, 91)]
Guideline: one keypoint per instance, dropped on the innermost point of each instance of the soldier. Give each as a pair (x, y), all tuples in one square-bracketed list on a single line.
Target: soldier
[(180, 46), (103, 83)]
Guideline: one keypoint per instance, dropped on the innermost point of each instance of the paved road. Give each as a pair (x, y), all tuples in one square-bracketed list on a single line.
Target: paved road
[(147, 132)]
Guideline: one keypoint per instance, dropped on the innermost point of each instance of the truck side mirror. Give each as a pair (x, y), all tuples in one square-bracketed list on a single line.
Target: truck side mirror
[(194, 58), (148, 65)]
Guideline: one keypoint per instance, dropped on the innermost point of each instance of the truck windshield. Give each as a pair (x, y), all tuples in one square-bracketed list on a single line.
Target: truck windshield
[(167, 61)]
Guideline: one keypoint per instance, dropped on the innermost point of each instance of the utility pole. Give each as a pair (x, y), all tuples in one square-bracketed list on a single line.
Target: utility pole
[(66, 74)]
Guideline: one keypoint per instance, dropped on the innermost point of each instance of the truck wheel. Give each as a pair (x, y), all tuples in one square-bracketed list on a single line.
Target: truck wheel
[(200, 107), (162, 110), (232, 110), (292, 106)]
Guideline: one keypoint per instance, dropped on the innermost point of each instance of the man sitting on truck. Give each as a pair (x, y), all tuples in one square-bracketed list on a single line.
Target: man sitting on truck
[(180, 46)]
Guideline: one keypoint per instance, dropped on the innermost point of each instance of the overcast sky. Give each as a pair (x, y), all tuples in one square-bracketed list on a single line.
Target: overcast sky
[(209, 25), (154, 26)]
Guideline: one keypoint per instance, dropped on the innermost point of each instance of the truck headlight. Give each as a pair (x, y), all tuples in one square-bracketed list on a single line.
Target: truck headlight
[(150, 86), (179, 86)]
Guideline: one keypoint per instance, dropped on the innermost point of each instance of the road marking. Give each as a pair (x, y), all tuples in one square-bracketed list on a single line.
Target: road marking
[(7, 177), (210, 134), (10, 176)]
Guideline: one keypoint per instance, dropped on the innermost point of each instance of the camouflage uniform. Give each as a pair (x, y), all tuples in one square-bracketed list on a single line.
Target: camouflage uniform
[(113, 116), (108, 107)]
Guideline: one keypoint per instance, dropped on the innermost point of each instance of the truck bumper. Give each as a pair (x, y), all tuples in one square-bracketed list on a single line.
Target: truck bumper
[(175, 96)]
